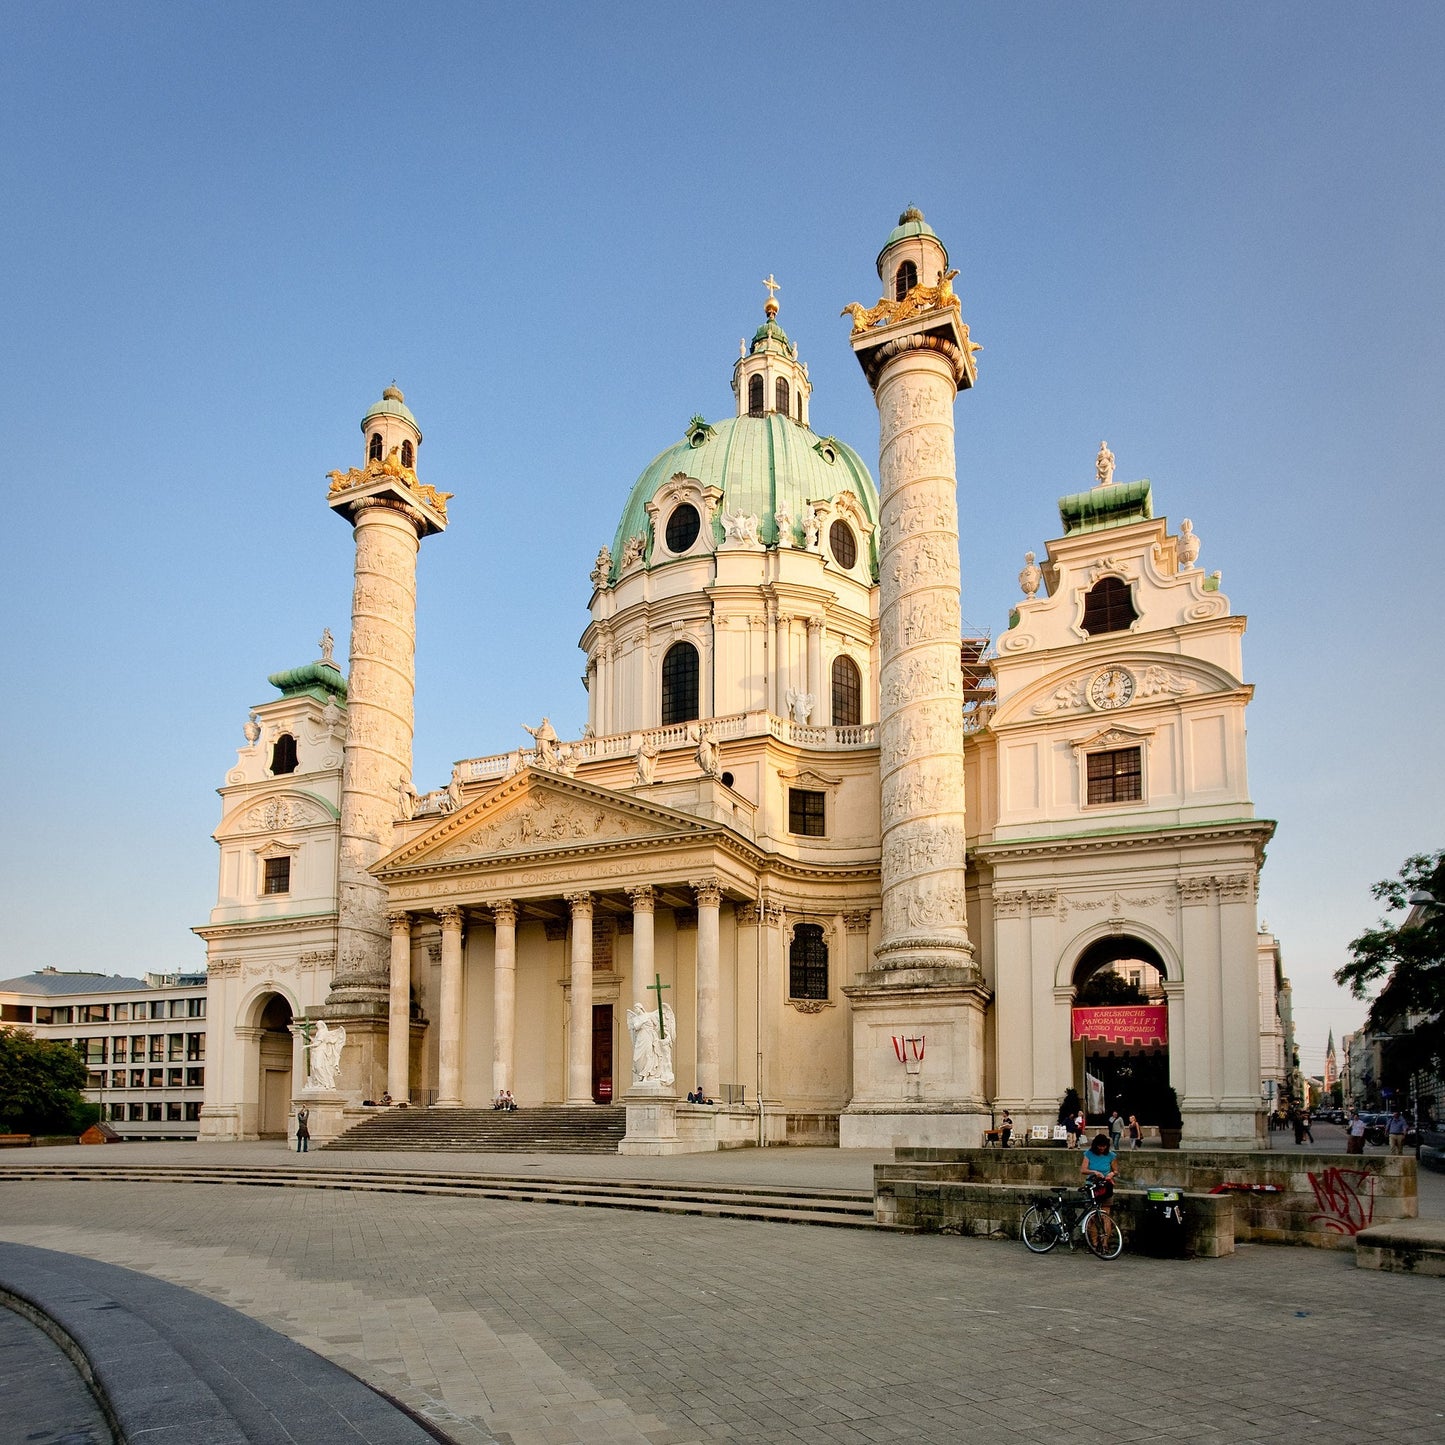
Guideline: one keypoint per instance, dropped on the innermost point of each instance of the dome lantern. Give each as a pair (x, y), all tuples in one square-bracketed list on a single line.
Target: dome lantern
[(389, 426), (768, 378)]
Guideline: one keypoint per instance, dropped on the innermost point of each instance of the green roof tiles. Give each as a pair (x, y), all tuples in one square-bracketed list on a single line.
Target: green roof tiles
[(319, 679), (1113, 506)]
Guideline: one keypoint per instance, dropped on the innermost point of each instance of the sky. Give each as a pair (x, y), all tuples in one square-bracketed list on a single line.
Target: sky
[(1210, 235)]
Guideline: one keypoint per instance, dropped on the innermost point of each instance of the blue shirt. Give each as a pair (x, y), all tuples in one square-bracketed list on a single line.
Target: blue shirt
[(1101, 1164)]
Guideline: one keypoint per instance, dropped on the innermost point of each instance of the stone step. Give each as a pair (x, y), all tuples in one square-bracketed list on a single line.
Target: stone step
[(550, 1129)]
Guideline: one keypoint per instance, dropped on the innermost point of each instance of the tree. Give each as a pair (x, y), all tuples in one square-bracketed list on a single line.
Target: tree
[(1106, 987), (40, 1084), (1409, 957)]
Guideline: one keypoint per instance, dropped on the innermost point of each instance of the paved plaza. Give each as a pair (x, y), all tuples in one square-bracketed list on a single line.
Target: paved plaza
[(544, 1325)]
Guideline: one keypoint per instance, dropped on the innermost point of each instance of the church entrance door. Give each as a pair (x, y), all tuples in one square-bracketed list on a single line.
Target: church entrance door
[(274, 1054), (1120, 1033), (602, 1053)]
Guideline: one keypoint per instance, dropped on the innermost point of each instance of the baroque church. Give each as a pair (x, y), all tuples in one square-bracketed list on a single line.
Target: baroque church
[(818, 860)]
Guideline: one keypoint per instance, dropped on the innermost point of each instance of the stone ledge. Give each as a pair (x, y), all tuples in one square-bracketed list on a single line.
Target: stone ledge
[(1404, 1246)]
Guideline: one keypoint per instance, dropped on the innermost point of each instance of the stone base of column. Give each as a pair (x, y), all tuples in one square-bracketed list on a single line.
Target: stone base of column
[(355, 1000), (363, 1058), (922, 962), (933, 1096), (325, 1108), (1234, 1124), (220, 1124)]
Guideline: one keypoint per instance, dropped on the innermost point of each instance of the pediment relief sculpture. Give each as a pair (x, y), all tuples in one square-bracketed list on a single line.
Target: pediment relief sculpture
[(541, 822)]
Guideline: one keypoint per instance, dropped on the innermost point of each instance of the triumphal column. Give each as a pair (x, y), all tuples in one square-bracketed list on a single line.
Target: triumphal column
[(918, 1012), (390, 511)]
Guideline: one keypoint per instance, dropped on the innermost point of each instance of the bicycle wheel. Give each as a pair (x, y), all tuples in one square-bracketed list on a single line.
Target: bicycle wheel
[(1040, 1229), (1102, 1234)]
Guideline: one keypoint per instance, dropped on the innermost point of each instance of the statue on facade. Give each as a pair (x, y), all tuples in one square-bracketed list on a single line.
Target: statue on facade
[(1188, 544), (783, 521), (544, 735), (651, 1044), (325, 1046), (1104, 465), (603, 568), (646, 763), (1031, 575), (741, 528), (800, 705), (252, 729), (328, 644), (405, 798), (811, 528), (567, 760), (708, 758)]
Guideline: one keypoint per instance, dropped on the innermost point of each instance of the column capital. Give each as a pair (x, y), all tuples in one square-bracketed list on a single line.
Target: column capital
[(815, 626), (581, 903), (399, 922), (504, 912), (450, 917), (644, 898), (857, 921), (708, 891)]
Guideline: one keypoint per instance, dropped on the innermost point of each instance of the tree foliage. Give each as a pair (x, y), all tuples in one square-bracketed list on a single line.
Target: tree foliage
[(1406, 959), (1108, 987), (40, 1084)]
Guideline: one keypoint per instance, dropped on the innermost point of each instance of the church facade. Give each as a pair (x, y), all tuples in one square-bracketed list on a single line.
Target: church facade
[(872, 874)]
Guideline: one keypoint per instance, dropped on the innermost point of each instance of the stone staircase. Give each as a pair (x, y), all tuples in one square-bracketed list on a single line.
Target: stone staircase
[(549, 1129)]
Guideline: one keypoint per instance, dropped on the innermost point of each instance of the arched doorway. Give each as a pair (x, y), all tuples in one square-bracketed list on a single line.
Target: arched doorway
[(1120, 1033), (273, 1063)]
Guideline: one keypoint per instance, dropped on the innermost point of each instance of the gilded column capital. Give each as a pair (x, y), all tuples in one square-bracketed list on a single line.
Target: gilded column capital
[(644, 898), (504, 912), (708, 891)]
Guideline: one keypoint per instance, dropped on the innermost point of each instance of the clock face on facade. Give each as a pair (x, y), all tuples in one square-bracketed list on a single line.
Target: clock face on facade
[(1112, 688)]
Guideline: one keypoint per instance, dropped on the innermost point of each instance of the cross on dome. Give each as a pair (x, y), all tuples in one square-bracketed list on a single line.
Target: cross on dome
[(771, 305)]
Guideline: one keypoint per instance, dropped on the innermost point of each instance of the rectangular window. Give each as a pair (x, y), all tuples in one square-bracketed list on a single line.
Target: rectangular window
[(158, 1008), (122, 1012), (156, 1079), (44, 1015), (195, 1047), (95, 1013), (193, 1112), (96, 1079), (118, 1050), (176, 1045), (173, 1113), (158, 1048), (154, 1114), (173, 1078), (1115, 777), (94, 1050), (135, 1112), (195, 1008), (137, 1078), (178, 1008), (117, 1113), (277, 875), (805, 812), (195, 1078), (137, 1048)]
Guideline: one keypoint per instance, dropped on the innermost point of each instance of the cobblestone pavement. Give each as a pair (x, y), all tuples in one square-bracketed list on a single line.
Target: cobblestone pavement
[(543, 1325)]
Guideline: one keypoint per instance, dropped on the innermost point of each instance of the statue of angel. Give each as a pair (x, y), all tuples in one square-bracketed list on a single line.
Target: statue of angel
[(326, 1046), (800, 704)]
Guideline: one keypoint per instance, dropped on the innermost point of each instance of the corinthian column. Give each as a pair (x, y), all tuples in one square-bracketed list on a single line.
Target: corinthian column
[(579, 1036), (398, 1029), (449, 1052), (709, 896), (644, 901), (504, 994)]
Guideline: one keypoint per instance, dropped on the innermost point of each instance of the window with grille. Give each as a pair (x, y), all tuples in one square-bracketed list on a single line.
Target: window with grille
[(843, 543), (373, 449), (782, 396), (808, 963), (277, 875), (1108, 607), (755, 396), (682, 527), (805, 812), (847, 693), (283, 755), (679, 684), (408, 455), (1116, 776), (904, 280)]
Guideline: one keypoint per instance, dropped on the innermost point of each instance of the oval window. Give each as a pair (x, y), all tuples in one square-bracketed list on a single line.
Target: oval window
[(843, 544), (682, 528)]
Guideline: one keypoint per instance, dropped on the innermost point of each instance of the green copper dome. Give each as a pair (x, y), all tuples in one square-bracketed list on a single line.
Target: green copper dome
[(392, 403), (911, 223), (757, 462)]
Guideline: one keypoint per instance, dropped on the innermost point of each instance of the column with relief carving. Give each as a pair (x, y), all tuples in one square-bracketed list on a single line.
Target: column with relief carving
[(709, 898), (579, 1034), (449, 1053), (504, 994), (916, 354), (398, 1031)]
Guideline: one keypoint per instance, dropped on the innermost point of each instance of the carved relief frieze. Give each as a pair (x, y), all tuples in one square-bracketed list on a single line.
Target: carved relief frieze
[(857, 920), (811, 1005), (1041, 903), (1154, 681), (1234, 886), (1070, 696), (913, 678), (223, 968), (276, 813), (317, 958), (538, 821), (1195, 890), (1107, 567), (745, 915)]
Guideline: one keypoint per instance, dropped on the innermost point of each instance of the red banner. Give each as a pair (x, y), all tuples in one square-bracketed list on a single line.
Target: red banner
[(1138, 1025)]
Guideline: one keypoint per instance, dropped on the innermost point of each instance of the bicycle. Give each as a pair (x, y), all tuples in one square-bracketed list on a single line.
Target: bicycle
[(1048, 1222)]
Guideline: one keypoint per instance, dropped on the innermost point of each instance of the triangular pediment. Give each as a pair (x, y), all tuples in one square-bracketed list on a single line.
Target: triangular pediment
[(538, 812)]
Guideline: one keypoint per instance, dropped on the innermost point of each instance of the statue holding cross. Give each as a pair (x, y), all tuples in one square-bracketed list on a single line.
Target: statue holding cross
[(652, 1036)]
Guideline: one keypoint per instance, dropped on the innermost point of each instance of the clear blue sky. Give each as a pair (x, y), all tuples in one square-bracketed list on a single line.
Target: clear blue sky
[(1211, 234)]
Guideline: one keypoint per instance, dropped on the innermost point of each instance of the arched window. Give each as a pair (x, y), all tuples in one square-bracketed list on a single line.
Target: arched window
[(679, 684), (808, 963), (904, 280), (408, 456), (847, 693), (782, 397), (800, 403), (755, 396), (283, 755), (373, 450), (682, 527), (843, 543), (1108, 607)]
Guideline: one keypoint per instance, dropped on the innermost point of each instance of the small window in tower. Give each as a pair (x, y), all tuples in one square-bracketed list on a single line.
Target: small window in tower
[(905, 279), (843, 543), (808, 963), (679, 684), (782, 397), (283, 755), (800, 403), (755, 396), (1108, 607), (408, 455), (1116, 776), (805, 812), (682, 528), (847, 693), (373, 450), (276, 875)]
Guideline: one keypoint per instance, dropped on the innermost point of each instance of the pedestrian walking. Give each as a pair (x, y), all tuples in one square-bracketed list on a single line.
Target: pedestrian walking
[(303, 1130), (1395, 1131), (1005, 1129), (1116, 1130), (1355, 1134), (1305, 1126), (1136, 1134)]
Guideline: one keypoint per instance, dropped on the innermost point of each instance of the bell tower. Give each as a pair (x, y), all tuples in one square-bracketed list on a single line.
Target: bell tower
[(390, 511), (918, 1038)]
